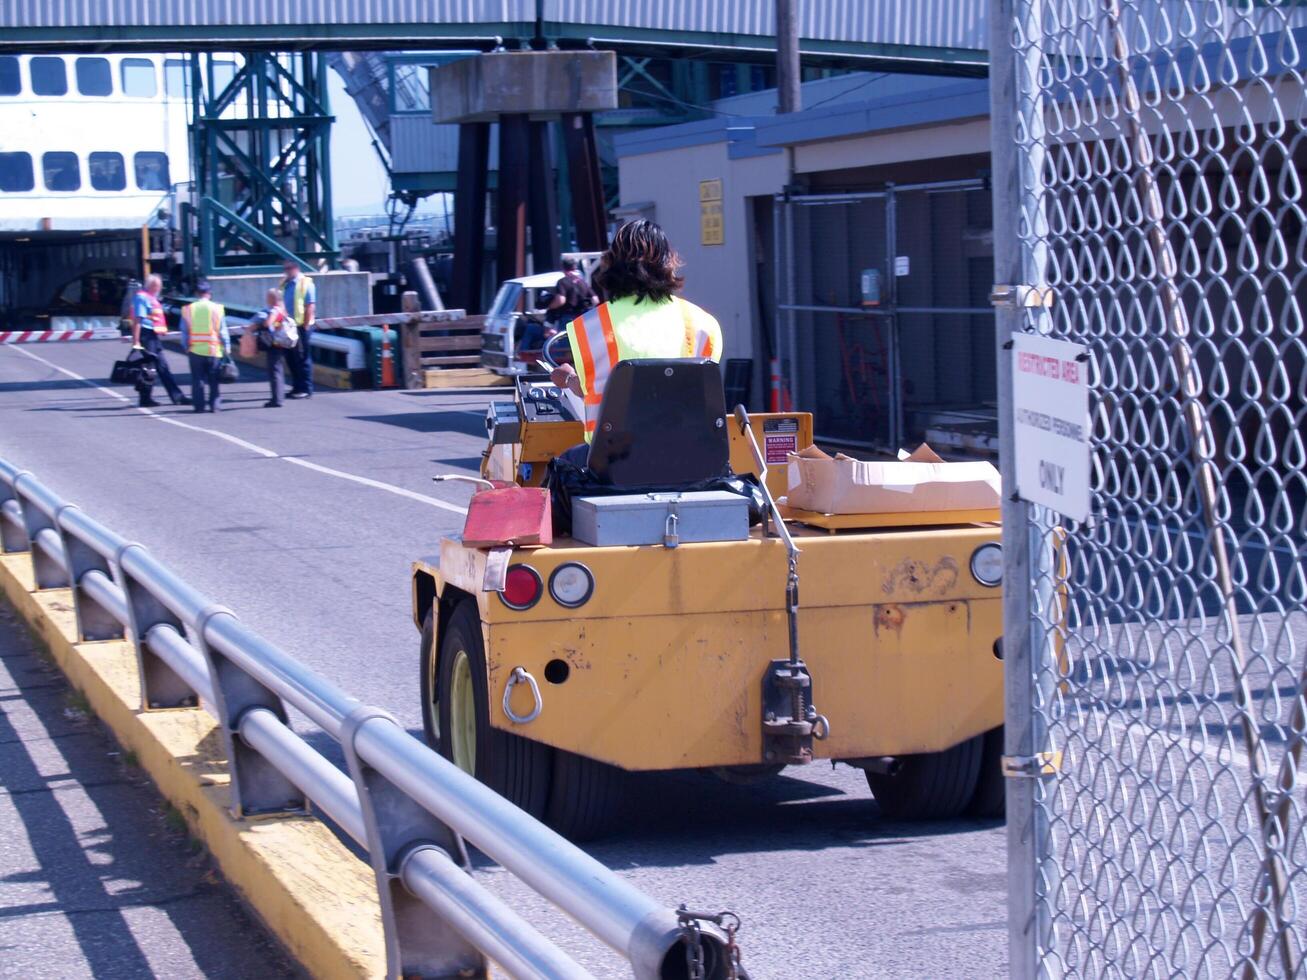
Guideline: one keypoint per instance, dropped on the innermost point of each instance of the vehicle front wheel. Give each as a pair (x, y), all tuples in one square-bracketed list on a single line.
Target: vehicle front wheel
[(514, 767), (428, 663), (929, 786)]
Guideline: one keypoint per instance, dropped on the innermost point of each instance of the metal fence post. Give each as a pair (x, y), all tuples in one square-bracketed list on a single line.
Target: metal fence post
[(161, 686), (13, 533), (417, 944), (1020, 735), (49, 573), (94, 620), (257, 787)]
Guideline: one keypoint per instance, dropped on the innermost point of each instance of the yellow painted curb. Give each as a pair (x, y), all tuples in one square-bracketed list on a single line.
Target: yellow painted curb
[(312, 892)]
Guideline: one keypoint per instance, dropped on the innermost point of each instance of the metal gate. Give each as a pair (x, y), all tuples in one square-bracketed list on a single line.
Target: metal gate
[(885, 328), (1148, 204)]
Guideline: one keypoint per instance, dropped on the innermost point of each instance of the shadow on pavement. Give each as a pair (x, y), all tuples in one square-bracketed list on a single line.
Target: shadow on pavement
[(88, 855), (439, 421)]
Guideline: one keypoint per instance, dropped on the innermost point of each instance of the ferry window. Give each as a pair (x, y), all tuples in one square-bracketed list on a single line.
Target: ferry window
[(48, 76), (10, 81), (138, 78), (174, 77), (108, 173), (61, 171), (16, 172), (152, 171), (94, 77)]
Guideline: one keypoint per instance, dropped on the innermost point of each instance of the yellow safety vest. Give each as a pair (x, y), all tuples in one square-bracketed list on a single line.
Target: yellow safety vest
[(204, 320), (302, 283), (624, 329)]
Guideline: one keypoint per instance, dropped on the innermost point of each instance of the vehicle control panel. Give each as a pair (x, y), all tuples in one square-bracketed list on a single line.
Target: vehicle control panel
[(543, 401)]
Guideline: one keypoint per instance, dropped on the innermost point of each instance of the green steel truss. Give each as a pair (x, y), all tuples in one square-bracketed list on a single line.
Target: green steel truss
[(261, 159)]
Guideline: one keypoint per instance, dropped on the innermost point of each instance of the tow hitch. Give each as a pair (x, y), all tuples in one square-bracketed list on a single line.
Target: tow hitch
[(789, 720)]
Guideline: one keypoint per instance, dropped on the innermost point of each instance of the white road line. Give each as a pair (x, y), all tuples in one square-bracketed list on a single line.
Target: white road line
[(257, 450)]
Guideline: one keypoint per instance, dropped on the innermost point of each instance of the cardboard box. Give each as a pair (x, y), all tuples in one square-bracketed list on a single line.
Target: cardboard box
[(917, 482)]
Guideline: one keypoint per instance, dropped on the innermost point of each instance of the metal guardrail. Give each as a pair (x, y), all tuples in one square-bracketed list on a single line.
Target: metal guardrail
[(407, 806)]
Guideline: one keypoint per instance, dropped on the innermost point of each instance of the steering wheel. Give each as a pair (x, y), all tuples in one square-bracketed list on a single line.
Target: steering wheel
[(546, 352)]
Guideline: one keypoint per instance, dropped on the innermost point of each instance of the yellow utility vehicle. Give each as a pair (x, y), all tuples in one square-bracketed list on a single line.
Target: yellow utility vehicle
[(551, 673)]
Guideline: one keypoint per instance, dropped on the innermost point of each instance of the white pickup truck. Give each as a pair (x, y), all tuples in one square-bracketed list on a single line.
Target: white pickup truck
[(518, 301)]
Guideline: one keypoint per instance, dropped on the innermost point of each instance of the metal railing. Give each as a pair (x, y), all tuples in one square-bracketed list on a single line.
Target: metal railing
[(407, 806)]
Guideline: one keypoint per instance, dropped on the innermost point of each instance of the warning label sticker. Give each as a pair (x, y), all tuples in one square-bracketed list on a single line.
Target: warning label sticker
[(780, 438), (778, 448)]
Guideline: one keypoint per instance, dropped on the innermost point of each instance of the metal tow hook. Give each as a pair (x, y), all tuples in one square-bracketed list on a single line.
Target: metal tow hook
[(696, 965), (521, 675)]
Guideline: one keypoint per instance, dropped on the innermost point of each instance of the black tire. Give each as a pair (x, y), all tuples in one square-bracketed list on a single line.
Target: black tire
[(516, 768), (430, 691), (930, 786), (990, 799), (585, 800)]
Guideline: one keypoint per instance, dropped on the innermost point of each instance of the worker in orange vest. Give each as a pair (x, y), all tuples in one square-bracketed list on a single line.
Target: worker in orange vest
[(642, 317)]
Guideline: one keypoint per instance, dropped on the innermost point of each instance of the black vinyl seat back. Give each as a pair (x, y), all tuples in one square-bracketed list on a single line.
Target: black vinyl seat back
[(662, 423)]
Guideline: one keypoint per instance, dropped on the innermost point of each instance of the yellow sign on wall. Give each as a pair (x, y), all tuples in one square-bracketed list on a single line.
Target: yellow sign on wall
[(711, 228)]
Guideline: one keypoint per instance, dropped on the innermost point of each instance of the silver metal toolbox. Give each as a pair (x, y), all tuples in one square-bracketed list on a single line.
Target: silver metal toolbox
[(668, 519)]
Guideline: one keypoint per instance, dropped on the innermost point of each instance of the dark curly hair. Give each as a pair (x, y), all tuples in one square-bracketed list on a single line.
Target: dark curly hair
[(640, 262)]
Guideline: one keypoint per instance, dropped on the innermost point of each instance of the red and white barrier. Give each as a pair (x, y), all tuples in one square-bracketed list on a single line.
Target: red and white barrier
[(65, 328), (49, 336)]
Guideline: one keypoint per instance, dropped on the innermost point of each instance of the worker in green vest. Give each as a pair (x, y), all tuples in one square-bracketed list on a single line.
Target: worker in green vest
[(204, 333), (642, 318)]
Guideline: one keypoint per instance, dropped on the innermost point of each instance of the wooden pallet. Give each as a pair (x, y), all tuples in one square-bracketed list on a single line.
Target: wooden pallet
[(461, 378), (433, 346)]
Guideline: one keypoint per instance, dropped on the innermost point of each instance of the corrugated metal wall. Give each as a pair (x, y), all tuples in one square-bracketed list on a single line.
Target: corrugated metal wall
[(932, 23), (909, 23), (929, 23), (162, 13), (418, 146)]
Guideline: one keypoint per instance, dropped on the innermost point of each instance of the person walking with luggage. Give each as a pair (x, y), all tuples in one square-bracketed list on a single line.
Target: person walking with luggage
[(280, 337), (148, 330), (205, 336), (299, 297)]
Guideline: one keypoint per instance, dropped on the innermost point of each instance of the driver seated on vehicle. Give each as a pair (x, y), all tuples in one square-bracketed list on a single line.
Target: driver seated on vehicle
[(642, 318)]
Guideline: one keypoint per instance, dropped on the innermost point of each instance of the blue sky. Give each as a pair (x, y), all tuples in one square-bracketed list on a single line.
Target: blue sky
[(358, 180)]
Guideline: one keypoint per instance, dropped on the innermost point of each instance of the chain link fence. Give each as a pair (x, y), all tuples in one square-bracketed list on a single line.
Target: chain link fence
[(1147, 160)]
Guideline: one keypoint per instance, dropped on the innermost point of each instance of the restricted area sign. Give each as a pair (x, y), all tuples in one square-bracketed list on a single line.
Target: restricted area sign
[(1050, 396)]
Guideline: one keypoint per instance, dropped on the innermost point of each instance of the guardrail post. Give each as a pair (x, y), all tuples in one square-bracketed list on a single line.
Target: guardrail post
[(161, 686), (13, 539), (48, 572), (256, 785), (396, 828), (94, 621)]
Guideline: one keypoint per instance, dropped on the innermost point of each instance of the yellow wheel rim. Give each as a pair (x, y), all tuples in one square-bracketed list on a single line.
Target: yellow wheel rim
[(462, 714)]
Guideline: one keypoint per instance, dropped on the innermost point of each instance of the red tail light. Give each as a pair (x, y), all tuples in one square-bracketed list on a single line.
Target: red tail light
[(522, 587)]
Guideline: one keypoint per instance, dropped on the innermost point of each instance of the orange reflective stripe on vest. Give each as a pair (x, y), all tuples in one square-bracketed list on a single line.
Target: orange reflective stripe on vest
[(597, 344)]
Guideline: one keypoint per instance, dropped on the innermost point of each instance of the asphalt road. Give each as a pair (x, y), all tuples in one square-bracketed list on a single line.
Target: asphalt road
[(304, 520)]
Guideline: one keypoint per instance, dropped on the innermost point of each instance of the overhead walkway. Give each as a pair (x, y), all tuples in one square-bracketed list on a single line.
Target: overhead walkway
[(933, 36)]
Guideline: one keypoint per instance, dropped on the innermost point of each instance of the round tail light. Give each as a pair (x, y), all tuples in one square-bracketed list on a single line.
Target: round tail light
[(522, 587), (571, 585)]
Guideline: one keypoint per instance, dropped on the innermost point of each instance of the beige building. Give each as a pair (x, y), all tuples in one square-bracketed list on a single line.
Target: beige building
[(879, 365)]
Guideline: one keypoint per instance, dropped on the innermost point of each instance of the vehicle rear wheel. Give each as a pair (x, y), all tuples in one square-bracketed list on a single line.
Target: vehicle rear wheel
[(990, 801), (585, 800), (929, 786), (514, 767)]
